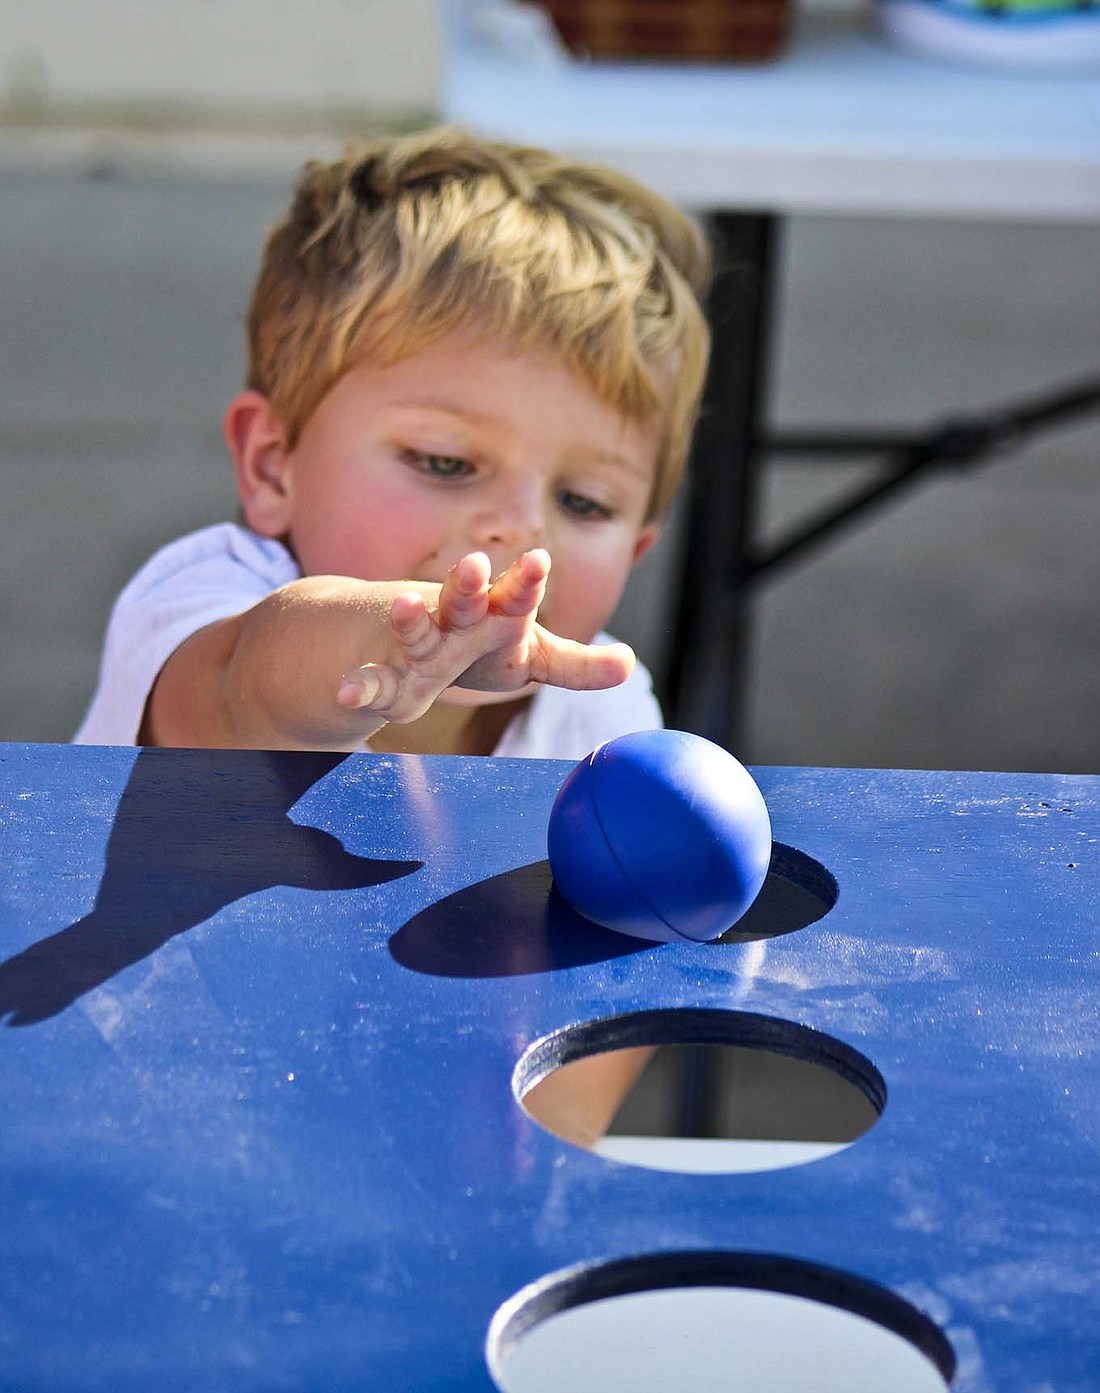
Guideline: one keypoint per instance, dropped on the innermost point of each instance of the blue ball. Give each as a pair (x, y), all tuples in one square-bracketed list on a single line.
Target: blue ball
[(660, 834)]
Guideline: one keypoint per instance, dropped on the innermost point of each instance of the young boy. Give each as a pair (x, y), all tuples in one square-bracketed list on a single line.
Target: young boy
[(473, 373)]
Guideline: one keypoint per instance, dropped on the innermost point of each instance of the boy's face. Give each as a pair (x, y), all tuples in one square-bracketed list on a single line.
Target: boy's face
[(402, 470)]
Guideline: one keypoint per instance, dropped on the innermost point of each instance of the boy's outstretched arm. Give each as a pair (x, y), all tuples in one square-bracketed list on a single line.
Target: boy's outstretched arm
[(326, 661)]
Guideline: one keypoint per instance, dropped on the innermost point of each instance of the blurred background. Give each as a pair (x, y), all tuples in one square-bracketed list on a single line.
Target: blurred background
[(143, 155)]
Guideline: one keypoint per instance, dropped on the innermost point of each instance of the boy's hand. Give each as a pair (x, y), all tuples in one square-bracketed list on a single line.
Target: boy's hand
[(481, 634)]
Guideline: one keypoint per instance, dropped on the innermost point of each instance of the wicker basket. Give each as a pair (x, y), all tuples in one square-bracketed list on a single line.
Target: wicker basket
[(675, 30)]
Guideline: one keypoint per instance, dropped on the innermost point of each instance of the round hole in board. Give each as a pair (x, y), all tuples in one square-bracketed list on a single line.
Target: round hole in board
[(714, 1322), (797, 892), (705, 1091)]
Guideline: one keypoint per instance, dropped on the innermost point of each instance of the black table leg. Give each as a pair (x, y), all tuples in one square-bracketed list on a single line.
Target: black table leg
[(704, 681)]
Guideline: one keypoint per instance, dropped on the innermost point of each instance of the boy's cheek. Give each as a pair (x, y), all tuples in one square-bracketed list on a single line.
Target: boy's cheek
[(581, 598)]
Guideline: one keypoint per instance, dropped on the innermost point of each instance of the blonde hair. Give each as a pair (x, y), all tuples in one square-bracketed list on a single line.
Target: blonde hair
[(408, 238)]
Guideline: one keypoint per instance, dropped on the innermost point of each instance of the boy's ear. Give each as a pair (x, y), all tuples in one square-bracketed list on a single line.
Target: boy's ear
[(257, 441), (645, 539)]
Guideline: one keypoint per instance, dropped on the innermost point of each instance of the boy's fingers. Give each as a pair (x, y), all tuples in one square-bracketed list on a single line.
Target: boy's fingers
[(472, 573), (582, 667), (464, 597), (372, 685), (520, 590), (413, 628)]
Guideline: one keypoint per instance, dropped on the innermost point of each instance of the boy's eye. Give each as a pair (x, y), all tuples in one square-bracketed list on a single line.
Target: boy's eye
[(439, 466), (578, 506)]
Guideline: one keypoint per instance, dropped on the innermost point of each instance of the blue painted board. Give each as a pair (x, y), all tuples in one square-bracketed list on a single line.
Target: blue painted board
[(263, 1013)]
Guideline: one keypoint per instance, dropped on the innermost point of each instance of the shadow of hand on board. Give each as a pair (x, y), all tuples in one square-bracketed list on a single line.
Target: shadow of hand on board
[(193, 831)]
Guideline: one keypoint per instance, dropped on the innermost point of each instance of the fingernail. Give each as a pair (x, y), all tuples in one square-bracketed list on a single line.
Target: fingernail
[(359, 690)]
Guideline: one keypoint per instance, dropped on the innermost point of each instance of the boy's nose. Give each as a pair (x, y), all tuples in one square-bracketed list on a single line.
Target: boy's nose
[(515, 524)]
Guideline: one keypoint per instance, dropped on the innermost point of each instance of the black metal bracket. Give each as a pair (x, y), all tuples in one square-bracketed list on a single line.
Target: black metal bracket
[(958, 443)]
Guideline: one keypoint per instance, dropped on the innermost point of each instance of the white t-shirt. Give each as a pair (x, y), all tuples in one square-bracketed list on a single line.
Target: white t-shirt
[(225, 569)]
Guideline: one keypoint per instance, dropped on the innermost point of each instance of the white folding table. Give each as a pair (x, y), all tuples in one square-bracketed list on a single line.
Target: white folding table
[(843, 123)]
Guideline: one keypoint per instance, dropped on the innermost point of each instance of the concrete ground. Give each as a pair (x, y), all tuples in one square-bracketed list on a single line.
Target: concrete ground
[(957, 629)]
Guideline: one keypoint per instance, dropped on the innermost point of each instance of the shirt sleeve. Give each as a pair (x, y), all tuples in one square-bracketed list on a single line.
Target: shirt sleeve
[(190, 583)]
